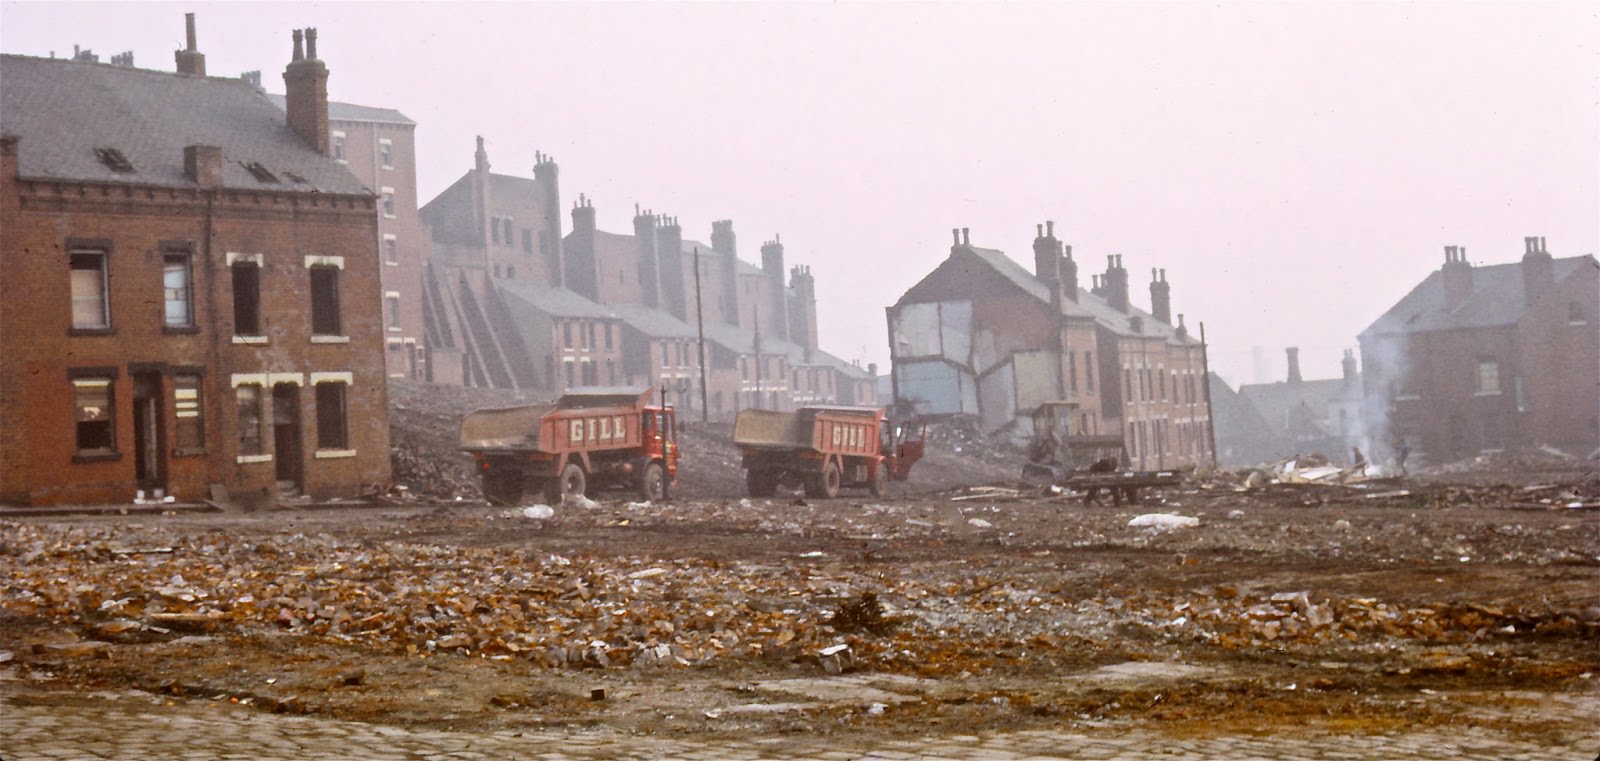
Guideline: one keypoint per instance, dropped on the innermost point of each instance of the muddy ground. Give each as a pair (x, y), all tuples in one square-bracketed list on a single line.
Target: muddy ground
[(1454, 600)]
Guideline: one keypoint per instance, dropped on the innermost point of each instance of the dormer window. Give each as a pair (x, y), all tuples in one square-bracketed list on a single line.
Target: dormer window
[(113, 159), (261, 173)]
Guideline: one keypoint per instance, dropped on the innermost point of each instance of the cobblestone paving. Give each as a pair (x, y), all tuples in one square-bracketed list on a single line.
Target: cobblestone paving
[(139, 726)]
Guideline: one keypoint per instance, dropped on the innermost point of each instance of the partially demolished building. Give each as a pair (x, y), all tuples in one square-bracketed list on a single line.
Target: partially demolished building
[(982, 336), (1480, 359)]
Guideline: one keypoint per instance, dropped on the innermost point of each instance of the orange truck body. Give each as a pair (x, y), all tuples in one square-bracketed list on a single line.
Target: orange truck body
[(591, 438), (823, 449)]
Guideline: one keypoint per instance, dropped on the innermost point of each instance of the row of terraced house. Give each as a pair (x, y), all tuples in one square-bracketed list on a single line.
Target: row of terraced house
[(209, 288)]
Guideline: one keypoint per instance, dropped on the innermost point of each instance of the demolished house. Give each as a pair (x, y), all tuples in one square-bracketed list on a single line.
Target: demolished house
[(195, 300), (1293, 416), (1479, 359), (982, 336)]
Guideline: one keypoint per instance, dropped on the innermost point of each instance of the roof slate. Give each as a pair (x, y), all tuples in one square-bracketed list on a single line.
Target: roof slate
[(63, 110), (1497, 298), (350, 112), (556, 302)]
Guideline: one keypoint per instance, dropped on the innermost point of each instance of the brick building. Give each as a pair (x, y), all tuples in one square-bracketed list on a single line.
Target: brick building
[(1484, 358), (982, 336), (378, 146), (192, 297), (1294, 416)]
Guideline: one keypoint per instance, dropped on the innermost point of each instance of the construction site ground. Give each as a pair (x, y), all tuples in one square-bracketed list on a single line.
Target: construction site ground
[(959, 605)]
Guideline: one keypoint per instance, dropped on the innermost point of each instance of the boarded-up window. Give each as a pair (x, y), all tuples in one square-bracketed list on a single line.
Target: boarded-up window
[(189, 430), (94, 415)]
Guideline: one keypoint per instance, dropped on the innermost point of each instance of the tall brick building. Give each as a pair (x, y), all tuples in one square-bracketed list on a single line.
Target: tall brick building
[(192, 297), (1484, 358)]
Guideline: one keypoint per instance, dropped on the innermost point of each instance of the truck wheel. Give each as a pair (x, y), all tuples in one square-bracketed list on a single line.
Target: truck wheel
[(653, 483), (570, 484), (761, 483), (879, 485), (824, 485)]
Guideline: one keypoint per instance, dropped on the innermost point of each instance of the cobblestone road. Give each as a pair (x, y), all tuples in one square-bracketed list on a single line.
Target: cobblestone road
[(139, 726)]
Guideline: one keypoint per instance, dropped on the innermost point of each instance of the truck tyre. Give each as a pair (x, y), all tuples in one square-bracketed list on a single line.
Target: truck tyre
[(653, 483), (571, 484), (824, 485), (761, 483), (879, 485)]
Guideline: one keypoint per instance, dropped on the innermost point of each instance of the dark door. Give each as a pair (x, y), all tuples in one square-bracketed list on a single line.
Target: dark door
[(286, 434), (148, 433)]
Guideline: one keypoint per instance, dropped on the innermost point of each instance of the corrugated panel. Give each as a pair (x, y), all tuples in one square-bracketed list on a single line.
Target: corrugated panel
[(1036, 373), (916, 331), (955, 330), (998, 397)]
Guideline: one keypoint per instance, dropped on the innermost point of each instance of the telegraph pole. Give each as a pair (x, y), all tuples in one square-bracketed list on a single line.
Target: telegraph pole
[(1205, 368), (700, 323), (755, 311)]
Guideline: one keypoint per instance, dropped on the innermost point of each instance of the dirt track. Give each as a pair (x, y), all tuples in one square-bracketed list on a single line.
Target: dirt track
[(960, 610)]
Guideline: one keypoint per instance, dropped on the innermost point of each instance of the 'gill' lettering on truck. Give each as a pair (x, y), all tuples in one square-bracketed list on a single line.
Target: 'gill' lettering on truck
[(605, 429), (618, 426), (577, 431)]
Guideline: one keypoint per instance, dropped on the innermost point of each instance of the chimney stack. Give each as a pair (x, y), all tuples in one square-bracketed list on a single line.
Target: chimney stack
[(1069, 273), (1538, 269), (1160, 296), (1456, 275), (1349, 366), (305, 88), (190, 59), (203, 165), (1115, 282), (1294, 363)]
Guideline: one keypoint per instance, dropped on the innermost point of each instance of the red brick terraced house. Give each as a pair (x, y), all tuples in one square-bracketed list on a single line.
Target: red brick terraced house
[(1486, 358), (193, 295)]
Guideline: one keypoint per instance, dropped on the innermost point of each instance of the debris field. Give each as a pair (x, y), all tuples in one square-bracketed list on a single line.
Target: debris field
[(937, 609)]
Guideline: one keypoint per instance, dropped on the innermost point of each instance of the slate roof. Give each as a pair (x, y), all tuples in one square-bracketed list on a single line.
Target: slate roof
[(1497, 298), (556, 302), (1275, 401), (653, 322), (63, 110), (350, 112), (1087, 304)]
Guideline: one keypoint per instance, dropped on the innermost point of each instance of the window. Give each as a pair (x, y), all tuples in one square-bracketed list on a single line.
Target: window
[(388, 202), (391, 310), (94, 414), (248, 397), (338, 147), (391, 250), (608, 337), (386, 153), (494, 228), (1127, 381), (1072, 370), (176, 291), (569, 374), (325, 300), (258, 171), (511, 272), (527, 241), (1488, 377), (507, 235), (90, 310), (611, 372), (190, 432), (1088, 371), (246, 298), (1575, 314), (113, 159), (331, 433), (566, 340)]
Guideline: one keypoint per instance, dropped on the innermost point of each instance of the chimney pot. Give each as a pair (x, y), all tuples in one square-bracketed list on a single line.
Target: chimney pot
[(299, 46), (955, 232), (1038, 231), (1294, 364), (966, 240), (1050, 228), (311, 44)]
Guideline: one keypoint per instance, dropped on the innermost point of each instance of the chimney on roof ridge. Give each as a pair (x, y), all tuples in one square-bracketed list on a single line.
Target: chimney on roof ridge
[(966, 240), (955, 232), (1160, 296), (1538, 270), (1294, 363), (203, 165), (1348, 364), (1182, 330), (305, 94), (1116, 284), (1456, 276), (1069, 273), (190, 60)]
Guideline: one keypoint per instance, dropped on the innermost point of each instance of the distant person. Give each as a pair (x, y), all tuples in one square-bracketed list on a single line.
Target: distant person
[(1401, 454), (1359, 459)]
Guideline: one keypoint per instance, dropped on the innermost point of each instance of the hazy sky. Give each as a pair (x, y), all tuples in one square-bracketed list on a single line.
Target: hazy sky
[(1296, 167)]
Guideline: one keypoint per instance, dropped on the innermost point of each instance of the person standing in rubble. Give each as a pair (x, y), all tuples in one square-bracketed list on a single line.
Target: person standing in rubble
[(1401, 453), (1358, 460)]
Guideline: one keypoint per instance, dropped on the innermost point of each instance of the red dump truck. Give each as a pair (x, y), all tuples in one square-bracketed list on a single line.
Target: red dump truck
[(823, 449), (591, 438)]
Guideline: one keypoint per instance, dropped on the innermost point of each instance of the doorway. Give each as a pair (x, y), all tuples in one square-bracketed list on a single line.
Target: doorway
[(149, 435), (286, 435)]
